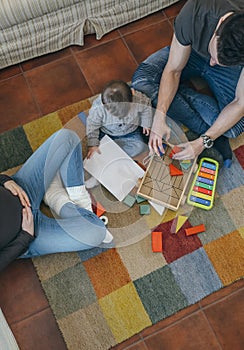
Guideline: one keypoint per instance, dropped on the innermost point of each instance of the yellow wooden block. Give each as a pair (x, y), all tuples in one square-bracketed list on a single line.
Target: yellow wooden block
[(180, 222)]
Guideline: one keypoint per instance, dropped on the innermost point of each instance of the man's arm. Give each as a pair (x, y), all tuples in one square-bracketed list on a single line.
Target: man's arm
[(231, 114), (178, 57), (227, 118)]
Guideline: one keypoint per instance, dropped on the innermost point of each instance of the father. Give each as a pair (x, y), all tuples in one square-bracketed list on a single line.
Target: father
[(208, 42)]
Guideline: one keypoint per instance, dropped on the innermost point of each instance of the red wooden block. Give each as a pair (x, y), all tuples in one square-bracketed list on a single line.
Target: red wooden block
[(174, 171), (194, 230), (157, 242), (175, 150), (99, 209), (171, 154)]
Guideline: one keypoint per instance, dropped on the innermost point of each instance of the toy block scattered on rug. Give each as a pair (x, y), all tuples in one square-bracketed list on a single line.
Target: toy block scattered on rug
[(157, 241), (178, 223), (145, 209), (99, 209), (174, 171), (185, 164), (140, 199), (195, 229), (129, 200)]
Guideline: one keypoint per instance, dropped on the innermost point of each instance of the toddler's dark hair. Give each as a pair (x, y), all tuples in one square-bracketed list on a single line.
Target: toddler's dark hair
[(116, 97)]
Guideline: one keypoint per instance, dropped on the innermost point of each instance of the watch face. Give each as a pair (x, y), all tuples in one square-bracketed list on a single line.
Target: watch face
[(208, 143)]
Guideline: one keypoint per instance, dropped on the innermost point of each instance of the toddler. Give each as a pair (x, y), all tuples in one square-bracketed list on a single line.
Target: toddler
[(122, 113)]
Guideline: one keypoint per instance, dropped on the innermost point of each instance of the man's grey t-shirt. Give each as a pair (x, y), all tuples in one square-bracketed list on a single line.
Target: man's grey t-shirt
[(198, 19)]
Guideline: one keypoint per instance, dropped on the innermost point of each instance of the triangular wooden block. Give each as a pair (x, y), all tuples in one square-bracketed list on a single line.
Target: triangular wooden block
[(185, 164), (180, 222), (174, 171), (99, 209)]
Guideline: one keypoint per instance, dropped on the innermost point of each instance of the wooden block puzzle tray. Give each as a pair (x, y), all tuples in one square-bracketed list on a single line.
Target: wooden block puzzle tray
[(159, 186)]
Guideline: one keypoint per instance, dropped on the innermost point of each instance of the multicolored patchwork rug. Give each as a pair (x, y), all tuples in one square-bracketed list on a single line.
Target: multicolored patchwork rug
[(101, 297)]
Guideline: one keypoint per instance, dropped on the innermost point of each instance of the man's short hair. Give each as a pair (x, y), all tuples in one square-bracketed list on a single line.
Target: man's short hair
[(230, 44), (116, 98)]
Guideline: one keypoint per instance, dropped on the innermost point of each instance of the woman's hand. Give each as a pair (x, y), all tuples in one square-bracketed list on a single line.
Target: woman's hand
[(27, 221), (92, 150), (16, 190)]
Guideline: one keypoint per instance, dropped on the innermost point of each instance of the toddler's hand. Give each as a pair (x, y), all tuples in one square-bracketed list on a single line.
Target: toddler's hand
[(146, 131), (92, 150)]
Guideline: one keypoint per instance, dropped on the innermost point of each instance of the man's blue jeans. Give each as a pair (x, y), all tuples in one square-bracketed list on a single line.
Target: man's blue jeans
[(189, 107), (77, 228)]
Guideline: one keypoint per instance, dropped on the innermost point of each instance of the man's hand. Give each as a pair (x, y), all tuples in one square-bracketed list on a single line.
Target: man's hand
[(16, 190), (92, 150), (146, 131), (159, 130), (27, 221), (190, 150)]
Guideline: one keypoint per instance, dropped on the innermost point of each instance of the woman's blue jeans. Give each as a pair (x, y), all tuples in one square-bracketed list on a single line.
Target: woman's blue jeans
[(77, 228), (189, 107)]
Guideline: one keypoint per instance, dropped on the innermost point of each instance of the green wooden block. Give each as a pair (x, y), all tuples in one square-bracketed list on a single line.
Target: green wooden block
[(129, 200), (185, 166), (145, 209), (140, 199)]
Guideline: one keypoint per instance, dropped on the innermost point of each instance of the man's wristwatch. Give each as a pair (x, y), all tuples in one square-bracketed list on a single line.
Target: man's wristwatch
[(207, 141)]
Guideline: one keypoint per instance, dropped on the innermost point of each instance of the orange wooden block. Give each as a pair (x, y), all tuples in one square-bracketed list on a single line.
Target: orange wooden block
[(99, 209), (174, 171), (194, 230), (157, 242)]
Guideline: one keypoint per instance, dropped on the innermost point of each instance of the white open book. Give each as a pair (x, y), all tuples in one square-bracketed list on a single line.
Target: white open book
[(113, 168)]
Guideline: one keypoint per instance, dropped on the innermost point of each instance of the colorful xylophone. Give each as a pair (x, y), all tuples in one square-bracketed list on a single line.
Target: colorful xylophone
[(202, 191)]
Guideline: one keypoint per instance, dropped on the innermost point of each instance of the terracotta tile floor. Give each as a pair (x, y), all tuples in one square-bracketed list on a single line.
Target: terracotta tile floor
[(43, 85)]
